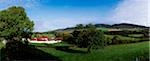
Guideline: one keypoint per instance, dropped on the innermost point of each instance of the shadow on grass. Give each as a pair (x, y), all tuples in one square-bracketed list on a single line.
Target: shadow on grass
[(66, 49), (18, 52)]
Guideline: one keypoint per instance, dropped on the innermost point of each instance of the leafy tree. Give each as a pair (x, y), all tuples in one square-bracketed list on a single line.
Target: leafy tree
[(79, 26), (90, 25), (14, 22), (145, 33), (67, 37), (89, 38), (115, 40)]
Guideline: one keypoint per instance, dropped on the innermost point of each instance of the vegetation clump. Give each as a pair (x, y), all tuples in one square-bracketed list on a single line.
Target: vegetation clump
[(87, 37)]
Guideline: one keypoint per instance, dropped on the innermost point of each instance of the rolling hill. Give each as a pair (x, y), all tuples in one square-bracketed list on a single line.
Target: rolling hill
[(114, 26)]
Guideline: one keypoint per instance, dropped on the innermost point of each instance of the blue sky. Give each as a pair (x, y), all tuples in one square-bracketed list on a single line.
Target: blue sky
[(54, 14)]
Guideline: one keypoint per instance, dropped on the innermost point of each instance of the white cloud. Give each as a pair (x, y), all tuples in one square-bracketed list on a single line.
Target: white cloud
[(132, 11), (24, 3)]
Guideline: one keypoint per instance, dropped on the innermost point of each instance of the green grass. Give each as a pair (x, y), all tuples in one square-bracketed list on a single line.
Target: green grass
[(123, 52), (124, 38), (103, 29), (135, 35), (49, 45), (1, 44), (39, 44), (48, 35)]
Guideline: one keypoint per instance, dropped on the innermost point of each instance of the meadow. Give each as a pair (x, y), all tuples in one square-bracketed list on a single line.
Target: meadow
[(122, 52)]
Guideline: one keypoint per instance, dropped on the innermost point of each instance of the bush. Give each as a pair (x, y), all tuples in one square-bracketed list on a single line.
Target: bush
[(67, 37), (117, 39), (89, 38), (108, 40)]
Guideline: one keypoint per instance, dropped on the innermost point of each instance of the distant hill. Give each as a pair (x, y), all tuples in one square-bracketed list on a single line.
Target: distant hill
[(121, 25), (127, 25), (102, 25), (118, 26)]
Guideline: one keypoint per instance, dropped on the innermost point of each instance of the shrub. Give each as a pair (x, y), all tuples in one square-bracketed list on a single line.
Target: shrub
[(67, 37), (115, 40), (108, 40), (89, 38)]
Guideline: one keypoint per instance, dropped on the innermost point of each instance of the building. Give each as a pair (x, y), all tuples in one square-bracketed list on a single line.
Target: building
[(45, 39)]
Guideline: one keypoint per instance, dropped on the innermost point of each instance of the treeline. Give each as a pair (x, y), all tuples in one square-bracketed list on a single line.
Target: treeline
[(85, 36), (145, 32), (114, 26)]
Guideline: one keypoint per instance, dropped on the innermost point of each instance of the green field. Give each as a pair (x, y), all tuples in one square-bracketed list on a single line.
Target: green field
[(135, 35), (1, 45), (38, 35), (123, 52)]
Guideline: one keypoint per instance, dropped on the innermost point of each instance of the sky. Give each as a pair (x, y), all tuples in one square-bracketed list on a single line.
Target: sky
[(55, 14)]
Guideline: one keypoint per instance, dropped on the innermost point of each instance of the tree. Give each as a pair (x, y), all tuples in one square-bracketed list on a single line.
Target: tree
[(91, 26), (79, 26), (115, 40), (89, 38), (14, 23)]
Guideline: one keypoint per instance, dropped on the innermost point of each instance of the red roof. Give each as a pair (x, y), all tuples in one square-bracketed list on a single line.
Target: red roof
[(44, 37)]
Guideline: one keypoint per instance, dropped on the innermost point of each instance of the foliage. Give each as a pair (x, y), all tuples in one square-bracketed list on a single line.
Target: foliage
[(79, 26), (14, 22), (90, 25), (108, 40), (145, 33), (118, 39), (34, 35), (89, 37), (124, 32), (115, 40), (65, 35)]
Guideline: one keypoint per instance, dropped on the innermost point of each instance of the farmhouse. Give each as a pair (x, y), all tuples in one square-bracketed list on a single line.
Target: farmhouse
[(45, 39)]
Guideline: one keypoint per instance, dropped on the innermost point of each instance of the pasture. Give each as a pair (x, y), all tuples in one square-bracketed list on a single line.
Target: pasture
[(123, 52)]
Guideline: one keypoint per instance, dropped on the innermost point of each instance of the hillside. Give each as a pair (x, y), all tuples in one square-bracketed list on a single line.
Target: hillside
[(122, 52), (127, 25), (118, 26)]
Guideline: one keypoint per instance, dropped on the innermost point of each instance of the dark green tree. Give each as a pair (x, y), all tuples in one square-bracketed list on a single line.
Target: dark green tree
[(79, 26), (14, 23), (89, 38), (90, 25), (115, 40)]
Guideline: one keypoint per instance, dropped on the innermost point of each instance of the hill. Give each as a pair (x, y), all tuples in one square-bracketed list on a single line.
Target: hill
[(127, 25), (114, 26)]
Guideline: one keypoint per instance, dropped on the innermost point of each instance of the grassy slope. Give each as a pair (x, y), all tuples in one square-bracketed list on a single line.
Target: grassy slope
[(1, 44), (48, 35), (124, 52), (123, 37)]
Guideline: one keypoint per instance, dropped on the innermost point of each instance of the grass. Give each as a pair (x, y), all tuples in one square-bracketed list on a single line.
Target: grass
[(135, 35), (48, 35), (124, 38), (1, 45), (123, 52), (103, 29)]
